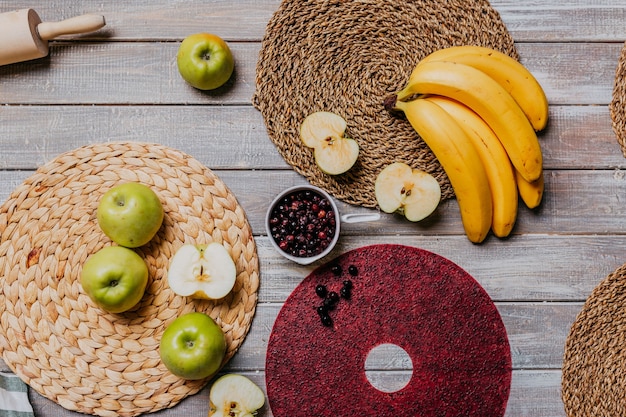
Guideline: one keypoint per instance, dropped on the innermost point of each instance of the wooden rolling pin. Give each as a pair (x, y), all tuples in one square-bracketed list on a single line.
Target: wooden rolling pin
[(24, 37)]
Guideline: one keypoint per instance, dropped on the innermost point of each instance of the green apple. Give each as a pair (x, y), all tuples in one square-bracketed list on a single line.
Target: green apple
[(115, 278), (410, 192), (193, 346), (234, 395), (324, 132), (130, 214), (205, 61), (202, 271)]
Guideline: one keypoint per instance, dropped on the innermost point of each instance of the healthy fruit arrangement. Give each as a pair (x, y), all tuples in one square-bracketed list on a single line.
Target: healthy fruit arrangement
[(478, 110), (193, 346), (115, 277)]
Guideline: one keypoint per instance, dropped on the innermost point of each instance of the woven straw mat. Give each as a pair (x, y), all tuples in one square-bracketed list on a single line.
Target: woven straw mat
[(347, 57), (53, 336), (617, 106), (594, 381)]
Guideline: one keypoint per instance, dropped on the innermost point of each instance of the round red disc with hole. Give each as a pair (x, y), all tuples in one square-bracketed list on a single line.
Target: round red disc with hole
[(400, 295)]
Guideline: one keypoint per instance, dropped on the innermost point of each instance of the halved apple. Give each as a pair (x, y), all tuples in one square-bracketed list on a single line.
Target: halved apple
[(324, 131), (234, 395), (411, 192), (202, 271)]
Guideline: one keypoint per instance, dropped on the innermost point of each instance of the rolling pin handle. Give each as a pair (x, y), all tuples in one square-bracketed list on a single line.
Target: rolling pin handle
[(79, 24)]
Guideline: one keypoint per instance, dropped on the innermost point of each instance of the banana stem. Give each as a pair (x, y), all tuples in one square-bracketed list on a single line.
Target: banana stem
[(390, 102)]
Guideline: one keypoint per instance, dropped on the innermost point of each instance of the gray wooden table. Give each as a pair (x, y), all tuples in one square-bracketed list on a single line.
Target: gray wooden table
[(122, 84)]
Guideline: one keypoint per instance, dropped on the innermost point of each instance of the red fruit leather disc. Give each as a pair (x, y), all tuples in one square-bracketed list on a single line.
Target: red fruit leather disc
[(405, 296)]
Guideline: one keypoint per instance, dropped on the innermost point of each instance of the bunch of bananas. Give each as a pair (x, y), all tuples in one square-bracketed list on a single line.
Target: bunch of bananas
[(478, 110)]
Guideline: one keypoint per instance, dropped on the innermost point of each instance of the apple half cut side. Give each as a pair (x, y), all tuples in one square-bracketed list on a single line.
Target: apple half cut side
[(324, 132), (410, 192), (235, 395), (202, 271)]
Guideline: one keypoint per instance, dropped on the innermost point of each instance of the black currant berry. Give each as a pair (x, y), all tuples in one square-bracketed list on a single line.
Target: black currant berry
[(345, 293), (321, 291)]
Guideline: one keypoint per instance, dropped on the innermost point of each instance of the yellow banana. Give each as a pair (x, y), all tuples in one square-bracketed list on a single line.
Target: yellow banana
[(461, 162), (506, 71), (500, 172), (530, 192), (486, 97)]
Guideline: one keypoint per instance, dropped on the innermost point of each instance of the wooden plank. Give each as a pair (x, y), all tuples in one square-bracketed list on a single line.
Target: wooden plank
[(535, 21), (101, 73), (223, 137), (218, 136), (526, 269), (533, 393), (575, 203)]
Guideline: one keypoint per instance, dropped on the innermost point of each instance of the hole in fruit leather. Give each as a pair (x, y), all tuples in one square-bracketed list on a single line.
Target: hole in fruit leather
[(388, 357)]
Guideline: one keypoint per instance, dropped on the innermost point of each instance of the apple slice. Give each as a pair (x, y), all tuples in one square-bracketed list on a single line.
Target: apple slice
[(324, 131), (411, 192), (234, 395), (202, 271)]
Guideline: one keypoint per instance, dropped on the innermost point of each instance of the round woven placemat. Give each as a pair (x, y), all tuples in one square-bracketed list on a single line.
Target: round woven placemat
[(53, 336), (617, 107), (594, 381), (347, 57)]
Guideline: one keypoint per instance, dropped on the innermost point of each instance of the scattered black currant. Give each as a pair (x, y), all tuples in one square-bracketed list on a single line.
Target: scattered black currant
[(321, 291), (332, 298), (322, 310), (345, 293), (329, 304)]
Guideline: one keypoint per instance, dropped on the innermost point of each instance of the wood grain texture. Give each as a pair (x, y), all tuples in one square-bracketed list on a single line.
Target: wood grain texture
[(121, 83)]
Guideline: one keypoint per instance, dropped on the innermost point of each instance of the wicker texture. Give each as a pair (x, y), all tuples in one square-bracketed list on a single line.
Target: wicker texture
[(53, 336), (617, 107), (594, 381), (347, 57)]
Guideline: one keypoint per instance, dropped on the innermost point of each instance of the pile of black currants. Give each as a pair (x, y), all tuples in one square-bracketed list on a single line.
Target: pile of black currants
[(330, 299), (303, 223)]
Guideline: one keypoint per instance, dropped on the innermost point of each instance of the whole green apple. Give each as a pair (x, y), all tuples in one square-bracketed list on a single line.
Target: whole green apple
[(115, 278), (130, 214), (193, 346), (205, 61)]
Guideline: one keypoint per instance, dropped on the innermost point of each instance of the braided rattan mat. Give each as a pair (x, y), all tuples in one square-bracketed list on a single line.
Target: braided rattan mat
[(346, 56), (594, 381), (617, 106), (53, 336)]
